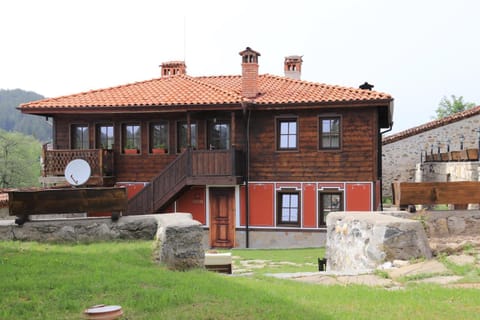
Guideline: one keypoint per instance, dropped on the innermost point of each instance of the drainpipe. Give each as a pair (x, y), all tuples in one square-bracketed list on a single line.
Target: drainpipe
[(247, 175), (380, 171)]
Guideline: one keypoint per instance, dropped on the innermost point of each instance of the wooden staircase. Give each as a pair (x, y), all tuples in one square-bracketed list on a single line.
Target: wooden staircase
[(192, 167)]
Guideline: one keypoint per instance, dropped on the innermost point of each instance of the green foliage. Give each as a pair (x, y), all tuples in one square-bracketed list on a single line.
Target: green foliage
[(13, 120), (447, 107), (53, 281), (19, 160)]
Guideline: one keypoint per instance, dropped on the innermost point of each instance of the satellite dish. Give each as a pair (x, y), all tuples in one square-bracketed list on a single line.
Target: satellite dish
[(77, 172)]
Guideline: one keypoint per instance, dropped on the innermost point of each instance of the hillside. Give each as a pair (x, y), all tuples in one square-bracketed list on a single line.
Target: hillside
[(13, 120)]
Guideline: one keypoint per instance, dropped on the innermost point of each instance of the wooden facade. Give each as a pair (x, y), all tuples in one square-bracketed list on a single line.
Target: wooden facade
[(259, 151)]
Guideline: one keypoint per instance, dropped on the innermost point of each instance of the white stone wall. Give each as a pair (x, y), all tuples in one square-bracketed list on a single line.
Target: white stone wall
[(399, 158)]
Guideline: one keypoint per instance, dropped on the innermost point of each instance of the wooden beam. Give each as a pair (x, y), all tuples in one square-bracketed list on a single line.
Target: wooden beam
[(72, 200), (457, 192)]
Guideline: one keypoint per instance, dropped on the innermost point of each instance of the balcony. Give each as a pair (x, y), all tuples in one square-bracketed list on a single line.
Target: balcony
[(101, 162)]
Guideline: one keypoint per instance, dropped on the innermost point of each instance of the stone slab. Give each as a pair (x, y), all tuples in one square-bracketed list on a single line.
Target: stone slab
[(425, 267)]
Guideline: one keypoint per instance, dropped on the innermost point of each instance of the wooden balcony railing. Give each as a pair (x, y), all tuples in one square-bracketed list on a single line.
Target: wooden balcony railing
[(100, 161), (190, 168)]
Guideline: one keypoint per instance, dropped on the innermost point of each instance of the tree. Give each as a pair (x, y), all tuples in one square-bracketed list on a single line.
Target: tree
[(19, 160), (448, 107)]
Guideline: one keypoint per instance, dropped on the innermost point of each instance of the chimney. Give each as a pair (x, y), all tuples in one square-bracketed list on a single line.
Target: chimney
[(293, 67), (249, 73), (366, 86), (173, 68)]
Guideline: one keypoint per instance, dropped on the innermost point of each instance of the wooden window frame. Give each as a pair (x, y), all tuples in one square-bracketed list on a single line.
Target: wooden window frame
[(322, 218), (321, 134), (211, 123), (194, 138), (136, 144), (278, 132), (73, 135), (280, 221), (151, 136), (98, 140)]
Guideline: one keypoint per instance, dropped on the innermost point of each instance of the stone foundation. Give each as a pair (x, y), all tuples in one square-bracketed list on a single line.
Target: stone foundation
[(280, 239), (361, 241)]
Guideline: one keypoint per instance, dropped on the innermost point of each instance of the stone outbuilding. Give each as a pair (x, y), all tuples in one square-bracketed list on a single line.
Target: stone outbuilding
[(403, 151)]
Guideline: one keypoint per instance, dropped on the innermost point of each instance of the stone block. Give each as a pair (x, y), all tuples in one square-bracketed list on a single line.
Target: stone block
[(361, 241), (178, 242)]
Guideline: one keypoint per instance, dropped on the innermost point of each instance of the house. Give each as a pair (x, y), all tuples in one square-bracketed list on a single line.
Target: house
[(406, 153), (259, 159)]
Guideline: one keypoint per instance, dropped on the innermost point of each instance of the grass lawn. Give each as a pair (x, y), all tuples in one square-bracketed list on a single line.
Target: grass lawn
[(45, 281)]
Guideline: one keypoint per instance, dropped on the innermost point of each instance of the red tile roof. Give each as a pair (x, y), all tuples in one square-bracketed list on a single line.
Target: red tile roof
[(184, 90), (431, 125)]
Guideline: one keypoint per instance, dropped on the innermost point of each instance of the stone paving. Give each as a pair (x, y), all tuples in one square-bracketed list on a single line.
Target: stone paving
[(391, 276)]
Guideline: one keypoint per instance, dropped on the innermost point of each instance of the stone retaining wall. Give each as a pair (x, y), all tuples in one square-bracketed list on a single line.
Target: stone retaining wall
[(81, 230)]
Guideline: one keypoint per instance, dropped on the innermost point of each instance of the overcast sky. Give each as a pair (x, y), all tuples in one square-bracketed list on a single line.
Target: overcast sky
[(416, 50)]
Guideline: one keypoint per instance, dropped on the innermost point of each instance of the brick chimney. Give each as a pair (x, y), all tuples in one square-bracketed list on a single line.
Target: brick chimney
[(293, 67), (173, 68), (249, 73)]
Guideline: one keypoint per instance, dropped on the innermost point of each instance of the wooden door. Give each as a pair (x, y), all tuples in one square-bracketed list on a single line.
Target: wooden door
[(222, 217)]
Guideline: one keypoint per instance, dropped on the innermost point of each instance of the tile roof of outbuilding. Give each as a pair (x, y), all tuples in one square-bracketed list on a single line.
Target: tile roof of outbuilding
[(184, 90), (431, 125)]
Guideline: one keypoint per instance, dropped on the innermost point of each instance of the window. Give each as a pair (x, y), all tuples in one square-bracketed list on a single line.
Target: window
[(182, 135), (131, 138), (287, 134), (105, 136), (329, 202), (288, 208), (219, 135), (329, 133), (79, 138), (159, 137)]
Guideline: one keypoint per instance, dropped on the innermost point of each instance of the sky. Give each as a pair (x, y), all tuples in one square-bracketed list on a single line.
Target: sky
[(418, 51)]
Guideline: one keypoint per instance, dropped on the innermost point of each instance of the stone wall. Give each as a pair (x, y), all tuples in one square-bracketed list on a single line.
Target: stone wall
[(399, 158), (81, 230), (447, 171)]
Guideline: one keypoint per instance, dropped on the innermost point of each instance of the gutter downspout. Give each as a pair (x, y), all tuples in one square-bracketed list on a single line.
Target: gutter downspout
[(380, 167), (247, 175)]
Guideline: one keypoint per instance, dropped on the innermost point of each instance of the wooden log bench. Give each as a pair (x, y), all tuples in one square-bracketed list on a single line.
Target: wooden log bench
[(66, 200)]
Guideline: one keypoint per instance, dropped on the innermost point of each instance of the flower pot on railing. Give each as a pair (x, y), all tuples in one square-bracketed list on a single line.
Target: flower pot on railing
[(444, 156), (159, 151), (130, 151), (436, 157), (472, 154), (463, 155), (429, 158), (454, 156)]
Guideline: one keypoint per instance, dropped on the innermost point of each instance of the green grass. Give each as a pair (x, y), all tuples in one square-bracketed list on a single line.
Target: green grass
[(41, 281)]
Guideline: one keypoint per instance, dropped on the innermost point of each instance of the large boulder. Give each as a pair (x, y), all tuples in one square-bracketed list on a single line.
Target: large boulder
[(178, 242), (361, 241)]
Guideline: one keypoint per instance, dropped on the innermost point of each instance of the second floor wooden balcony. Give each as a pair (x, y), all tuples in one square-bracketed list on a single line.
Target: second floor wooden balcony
[(202, 167), (101, 163)]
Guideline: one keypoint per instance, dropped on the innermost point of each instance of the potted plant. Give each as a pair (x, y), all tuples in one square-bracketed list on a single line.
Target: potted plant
[(159, 148), (130, 148)]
